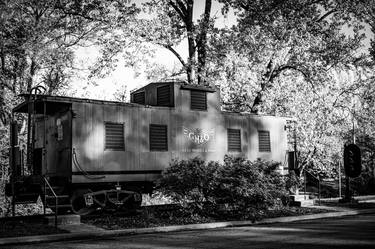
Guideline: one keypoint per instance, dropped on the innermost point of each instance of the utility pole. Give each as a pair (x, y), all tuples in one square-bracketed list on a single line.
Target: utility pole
[(340, 179)]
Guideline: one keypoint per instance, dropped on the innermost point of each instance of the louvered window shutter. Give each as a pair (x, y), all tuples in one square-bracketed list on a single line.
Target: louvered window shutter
[(198, 100), (163, 95), (158, 137), (234, 140), (114, 136), (139, 98), (264, 141)]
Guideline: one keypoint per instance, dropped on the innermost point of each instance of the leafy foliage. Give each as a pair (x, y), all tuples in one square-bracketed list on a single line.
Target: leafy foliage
[(235, 186), (301, 59)]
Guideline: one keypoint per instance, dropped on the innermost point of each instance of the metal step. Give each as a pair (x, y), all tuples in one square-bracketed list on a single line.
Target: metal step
[(60, 206), (299, 197), (54, 188), (24, 202), (58, 196), (60, 201), (303, 203)]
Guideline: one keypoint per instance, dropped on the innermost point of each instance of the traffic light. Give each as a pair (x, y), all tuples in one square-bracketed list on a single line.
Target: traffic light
[(352, 160)]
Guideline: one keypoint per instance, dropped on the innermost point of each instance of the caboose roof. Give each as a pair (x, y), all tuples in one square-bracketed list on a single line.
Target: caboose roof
[(54, 103), (183, 85)]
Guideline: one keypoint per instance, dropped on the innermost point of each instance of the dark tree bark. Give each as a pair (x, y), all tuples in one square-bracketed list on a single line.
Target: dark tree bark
[(197, 44), (268, 80), (185, 12), (202, 42), (2, 87)]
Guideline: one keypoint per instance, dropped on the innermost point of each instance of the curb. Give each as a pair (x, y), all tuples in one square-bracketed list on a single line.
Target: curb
[(135, 231)]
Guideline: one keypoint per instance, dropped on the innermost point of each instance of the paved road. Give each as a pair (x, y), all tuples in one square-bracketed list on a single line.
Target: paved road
[(347, 232)]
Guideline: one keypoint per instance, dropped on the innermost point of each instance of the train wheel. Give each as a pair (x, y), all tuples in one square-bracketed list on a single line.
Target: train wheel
[(79, 204)]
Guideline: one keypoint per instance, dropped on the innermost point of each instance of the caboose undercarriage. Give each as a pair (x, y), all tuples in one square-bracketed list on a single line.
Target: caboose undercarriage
[(77, 198)]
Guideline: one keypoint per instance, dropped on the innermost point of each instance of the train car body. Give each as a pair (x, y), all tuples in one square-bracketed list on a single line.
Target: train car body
[(89, 146)]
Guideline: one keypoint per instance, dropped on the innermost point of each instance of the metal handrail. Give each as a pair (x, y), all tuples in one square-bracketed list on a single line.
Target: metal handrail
[(316, 178), (46, 183)]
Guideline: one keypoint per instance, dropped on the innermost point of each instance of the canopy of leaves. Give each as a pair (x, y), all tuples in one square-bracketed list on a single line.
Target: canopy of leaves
[(301, 59)]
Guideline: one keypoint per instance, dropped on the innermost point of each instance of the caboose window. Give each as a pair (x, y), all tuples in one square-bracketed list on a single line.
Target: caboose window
[(234, 140), (264, 141), (114, 136), (198, 100), (139, 98), (163, 95), (158, 137)]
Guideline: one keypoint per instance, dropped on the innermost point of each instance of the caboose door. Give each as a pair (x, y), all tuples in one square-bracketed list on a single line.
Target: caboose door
[(59, 144)]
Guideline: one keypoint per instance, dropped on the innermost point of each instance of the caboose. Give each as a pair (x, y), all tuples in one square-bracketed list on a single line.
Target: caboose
[(84, 154)]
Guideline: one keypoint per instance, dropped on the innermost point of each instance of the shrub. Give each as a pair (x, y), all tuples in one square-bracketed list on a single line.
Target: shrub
[(364, 184), (188, 181), (235, 187)]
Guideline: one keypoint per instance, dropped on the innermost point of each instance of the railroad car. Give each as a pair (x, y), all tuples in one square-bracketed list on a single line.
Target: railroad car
[(84, 153)]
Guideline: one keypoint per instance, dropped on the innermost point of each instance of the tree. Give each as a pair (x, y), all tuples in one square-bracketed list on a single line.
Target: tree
[(37, 39), (286, 58), (303, 37), (37, 42), (163, 24), (177, 17)]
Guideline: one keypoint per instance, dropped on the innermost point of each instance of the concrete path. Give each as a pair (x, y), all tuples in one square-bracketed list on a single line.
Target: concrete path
[(344, 232), (81, 228)]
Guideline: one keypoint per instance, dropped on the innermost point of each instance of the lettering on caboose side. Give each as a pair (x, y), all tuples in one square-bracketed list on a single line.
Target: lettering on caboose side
[(198, 139)]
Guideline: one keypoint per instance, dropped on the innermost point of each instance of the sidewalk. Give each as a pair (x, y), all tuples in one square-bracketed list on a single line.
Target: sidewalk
[(84, 231), (360, 199)]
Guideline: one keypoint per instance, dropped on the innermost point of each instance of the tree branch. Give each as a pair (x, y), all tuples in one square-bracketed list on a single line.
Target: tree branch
[(170, 48), (326, 15), (180, 12), (288, 67)]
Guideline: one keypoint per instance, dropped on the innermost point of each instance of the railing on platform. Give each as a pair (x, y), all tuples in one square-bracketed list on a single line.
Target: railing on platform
[(305, 173), (47, 184)]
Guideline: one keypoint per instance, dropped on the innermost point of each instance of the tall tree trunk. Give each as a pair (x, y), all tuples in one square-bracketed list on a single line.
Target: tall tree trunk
[(191, 44), (32, 74), (266, 81), (2, 87), (202, 43)]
